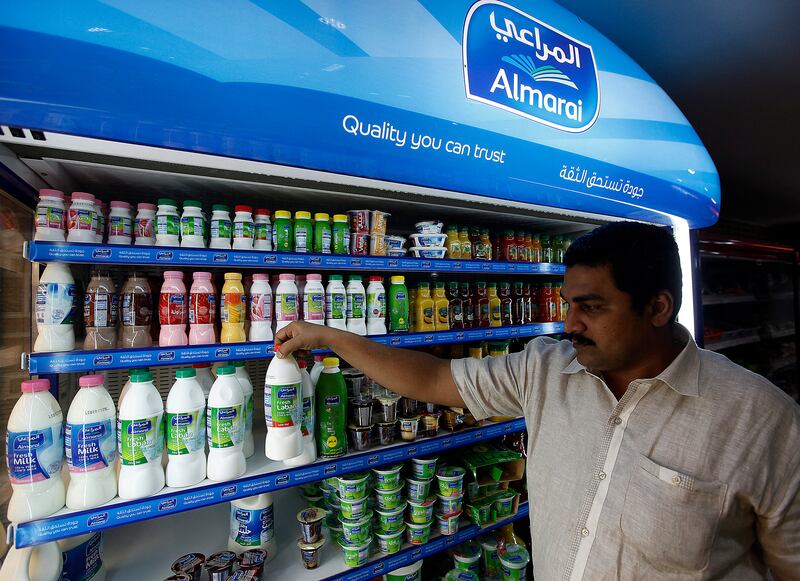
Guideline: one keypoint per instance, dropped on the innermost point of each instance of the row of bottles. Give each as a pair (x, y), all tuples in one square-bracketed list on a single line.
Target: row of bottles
[(474, 243)]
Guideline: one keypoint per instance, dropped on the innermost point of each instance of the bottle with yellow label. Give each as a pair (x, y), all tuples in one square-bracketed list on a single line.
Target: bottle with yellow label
[(466, 245), (232, 311), (441, 307), (495, 315), (453, 243), (425, 318)]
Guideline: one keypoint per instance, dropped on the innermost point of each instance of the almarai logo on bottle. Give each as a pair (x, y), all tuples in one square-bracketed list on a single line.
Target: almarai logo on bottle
[(518, 63)]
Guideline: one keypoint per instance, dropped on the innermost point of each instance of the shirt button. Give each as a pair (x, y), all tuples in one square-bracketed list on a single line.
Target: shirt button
[(602, 476), (617, 420), (676, 480), (584, 532)]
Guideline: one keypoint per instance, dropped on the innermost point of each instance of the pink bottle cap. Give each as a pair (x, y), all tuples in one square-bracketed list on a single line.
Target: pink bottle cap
[(319, 357), (173, 274), (201, 275), (118, 204), (287, 277), (82, 196), (34, 385), (52, 193), (91, 380), (301, 363), (313, 277), (146, 206), (259, 277)]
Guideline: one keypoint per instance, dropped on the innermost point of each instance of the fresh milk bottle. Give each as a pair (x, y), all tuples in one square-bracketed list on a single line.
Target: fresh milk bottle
[(82, 558), (35, 453), (283, 388), (204, 377), (285, 301), (225, 422), (309, 453), (90, 441), (186, 430), (356, 299), (140, 439), (39, 563), (247, 391), (336, 303), (55, 309), (252, 525), (317, 368)]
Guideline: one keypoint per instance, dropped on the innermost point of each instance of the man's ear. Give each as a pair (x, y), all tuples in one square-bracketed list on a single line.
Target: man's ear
[(661, 309)]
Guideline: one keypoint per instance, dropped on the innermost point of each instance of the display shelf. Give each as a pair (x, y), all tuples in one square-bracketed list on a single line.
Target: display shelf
[(78, 361), (727, 299), (206, 531), (262, 476), (110, 254), (734, 342)]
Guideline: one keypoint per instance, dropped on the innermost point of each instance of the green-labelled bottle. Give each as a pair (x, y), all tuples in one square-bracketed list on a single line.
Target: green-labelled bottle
[(331, 410), (398, 305)]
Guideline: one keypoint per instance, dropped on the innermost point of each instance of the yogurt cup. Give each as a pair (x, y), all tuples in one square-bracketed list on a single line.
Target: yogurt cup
[(395, 252), (480, 513), (450, 504), (389, 499), (424, 468), (421, 512), (191, 564), (377, 245), (513, 562), (359, 220), (504, 503), (359, 243), (352, 486), (388, 477), (410, 573), (386, 432), (391, 520), (395, 243), (390, 542), (491, 560), (309, 552), (353, 509), (359, 437), (461, 575), (428, 251), (448, 523), (310, 520), (451, 480), (355, 554), (408, 428), (377, 224), (418, 534), (428, 227), (428, 240), (357, 531), (467, 557), (418, 490), (334, 528), (430, 423)]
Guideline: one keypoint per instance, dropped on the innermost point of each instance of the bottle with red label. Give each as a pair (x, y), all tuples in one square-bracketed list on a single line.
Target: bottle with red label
[(172, 310), (547, 303), (508, 246), (523, 251), (456, 306), (480, 305), (519, 314), (202, 309), (506, 304), (466, 304)]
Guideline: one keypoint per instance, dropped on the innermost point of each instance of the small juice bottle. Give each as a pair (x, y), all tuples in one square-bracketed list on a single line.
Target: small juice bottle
[(522, 247), (480, 304), (536, 249), (495, 316), (413, 292), (232, 309), (467, 306), (466, 245), (506, 305), (485, 245), (441, 307), (398, 306), (455, 306), (453, 243), (424, 308)]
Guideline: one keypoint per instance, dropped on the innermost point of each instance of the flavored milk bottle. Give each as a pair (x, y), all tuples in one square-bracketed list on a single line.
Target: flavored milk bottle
[(356, 302), (247, 391), (225, 424), (35, 453), (140, 439), (309, 453), (90, 441), (336, 303), (252, 525), (300, 282), (186, 430), (55, 309), (204, 377), (82, 558), (331, 416), (283, 388), (285, 301), (376, 306), (202, 310), (232, 309), (314, 299), (172, 311), (260, 309), (100, 308), (136, 313)]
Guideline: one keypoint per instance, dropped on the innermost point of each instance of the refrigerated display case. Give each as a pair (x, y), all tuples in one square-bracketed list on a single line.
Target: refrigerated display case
[(519, 117)]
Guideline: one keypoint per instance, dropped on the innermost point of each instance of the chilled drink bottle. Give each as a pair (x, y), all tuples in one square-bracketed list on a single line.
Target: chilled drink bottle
[(202, 309), (232, 309), (331, 416)]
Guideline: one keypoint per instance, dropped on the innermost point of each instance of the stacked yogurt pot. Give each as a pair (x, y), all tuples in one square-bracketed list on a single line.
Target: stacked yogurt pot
[(428, 242)]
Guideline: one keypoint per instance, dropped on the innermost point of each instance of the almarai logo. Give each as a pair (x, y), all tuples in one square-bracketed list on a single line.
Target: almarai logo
[(518, 63)]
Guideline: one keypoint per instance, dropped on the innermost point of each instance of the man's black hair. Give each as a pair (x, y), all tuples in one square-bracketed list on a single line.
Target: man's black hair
[(643, 259)]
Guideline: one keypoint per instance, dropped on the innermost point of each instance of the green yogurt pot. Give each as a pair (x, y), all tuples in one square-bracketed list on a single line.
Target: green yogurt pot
[(418, 534), (461, 575), (417, 490), (387, 478), (448, 523), (513, 562), (355, 554), (450, 504), (491, 560), (352, 486), (390, 521), (389, 499), (357, 531), (467, 557), (353, 509), (390, 542), (421, 512), (504, 503), (451, 480), (424, 468), (480, 513)]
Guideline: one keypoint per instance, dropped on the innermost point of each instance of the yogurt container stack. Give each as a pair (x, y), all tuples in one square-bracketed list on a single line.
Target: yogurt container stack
[(428, 242), (368, 234)]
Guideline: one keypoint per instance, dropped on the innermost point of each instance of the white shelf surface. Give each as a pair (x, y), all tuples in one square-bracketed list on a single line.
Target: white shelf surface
[(727, 299)]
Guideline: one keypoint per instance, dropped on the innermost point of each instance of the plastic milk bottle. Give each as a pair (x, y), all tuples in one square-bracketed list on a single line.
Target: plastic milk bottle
[(55, 309), (225, 423), (247, 391), (252, 525), (309, 453), (186, 430), (283, 388)]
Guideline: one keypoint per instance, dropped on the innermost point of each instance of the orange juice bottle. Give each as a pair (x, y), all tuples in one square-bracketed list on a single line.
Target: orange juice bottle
[(495, 315), (232, 311), (425, 318), (441, 308), (453, 243)]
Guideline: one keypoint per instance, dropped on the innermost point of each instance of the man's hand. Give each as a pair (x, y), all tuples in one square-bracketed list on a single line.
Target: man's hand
[(303, 336)]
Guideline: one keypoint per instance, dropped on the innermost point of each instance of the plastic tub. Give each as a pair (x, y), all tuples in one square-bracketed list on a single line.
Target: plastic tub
[(448, 523), (412, 572), (356, 531), (353, 509), (390, 542), (395, 252), (467, 557), (424, 468), (421, 512), (310, 520), (377, 245), (480, 513), (359, 437), (450, 504), (491, 560), (504, 503), (418, 534), (386, 432), (377, 224), (418, 490), (352, 486), (461, 575), (359, 243), (391, 520), (408, 428), (359, 220), (428, 227), (389, 499), (428, 240), (428, 251), (395, 243), (451, 480), (513, 562), (355, 555), (388, 478), (309, 552)]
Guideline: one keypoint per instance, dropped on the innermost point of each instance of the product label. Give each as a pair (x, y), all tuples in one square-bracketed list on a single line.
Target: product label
[(522, 254), (336, 305), (232, 308), (263, 231), (225, 426), (202, 307), (100, 309), (35, 455), (49, 218), (260, 307), (81, 219), (172, 309), (331, 438), (286, 307), (186, 432), (456, 313), (314, 307), (248, 412), (301, 236), (140, 441), (341, 239), (376, 305), (282, 234), (221, 229), (506, 311), (324, 242), (307, 420), (252, 528), (192, 226), (496, 312), (90, 446), (144, 228), (167, 224), (355, 306), (83, 562), (511, 253), (282, 405), (120, 226), (443, 316), (243, 230), (55, 303), (137, 309)]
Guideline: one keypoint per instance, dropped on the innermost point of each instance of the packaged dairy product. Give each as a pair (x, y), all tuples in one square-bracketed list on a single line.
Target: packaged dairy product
[(50, 216), (168, 227), (204, 377), (252, 525), (145, 228), (186, 430), (225, 425), (285, 301), (300, 282), (136, 312), (232, 309), (331, 414), (283, 388), (82, 558), (263, 230), (322, 233), (90, 442), (260, 309), (303, 232), (221, 227), (398, 305), (101, 211), (140, 439), (247, 391), (283, 232), (314, 299), (340, 233), (356, 303), (82, 218), (202, 309), (100, 309), (193, 225), (35, 453), (38, 563), (243, 228), (55, 309), (120, 223), (309, 453), (376, 306), (172, 311), (336, 303), (317, 368)]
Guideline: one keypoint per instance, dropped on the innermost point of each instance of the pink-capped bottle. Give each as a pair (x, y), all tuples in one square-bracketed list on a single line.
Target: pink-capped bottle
[(172, 310), (314, 300), (202, 309), (285, 301), (260, 309), (144, 229)]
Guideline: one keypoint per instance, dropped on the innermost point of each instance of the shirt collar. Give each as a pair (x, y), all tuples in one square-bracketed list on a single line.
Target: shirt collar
[(682, 375)]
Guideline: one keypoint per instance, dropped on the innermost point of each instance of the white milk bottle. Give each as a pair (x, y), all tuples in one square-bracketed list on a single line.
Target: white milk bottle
[(243, 228), (263, 230), (260, 309), (82, 558), (247, 391), (90, 441), (193, 225), (50, 216), (225, 422), (186, 430), (309, 453), (168, 223), (376, 306), (82, 218), (55, 309), (356, 299), (35, 453), (140, 439), (285, 301), (314, 299), (39, 563), (317, 368), (204, 377), (221, 227), (144, 231), (283, 389), (120, 223), (252, 525), (336, 303)]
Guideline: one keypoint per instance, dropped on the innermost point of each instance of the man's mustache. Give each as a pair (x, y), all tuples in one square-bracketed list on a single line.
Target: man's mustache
[(579, 339)]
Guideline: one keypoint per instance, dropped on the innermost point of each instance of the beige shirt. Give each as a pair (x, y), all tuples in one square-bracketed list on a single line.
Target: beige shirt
[(693, 474)]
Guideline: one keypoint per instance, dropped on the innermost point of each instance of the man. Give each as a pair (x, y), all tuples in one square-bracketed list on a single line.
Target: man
[(648, 458)]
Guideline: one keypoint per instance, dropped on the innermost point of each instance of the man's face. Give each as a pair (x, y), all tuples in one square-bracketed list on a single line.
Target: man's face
[(608, 335)]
